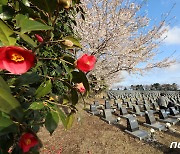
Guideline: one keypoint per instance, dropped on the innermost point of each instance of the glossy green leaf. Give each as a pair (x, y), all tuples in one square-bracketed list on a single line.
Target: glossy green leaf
[(6, 12), (7, 126), (26, 2), (67, 70), (51, 122), (26, 79), (6, 34), (10, 105), (36, 106), (74, 96), (27, 39), (46, 5), (62, 117), (69, 121), (71, 61), (43, 89), (3, 2), (25, 9), (4, 85), (28, 25)]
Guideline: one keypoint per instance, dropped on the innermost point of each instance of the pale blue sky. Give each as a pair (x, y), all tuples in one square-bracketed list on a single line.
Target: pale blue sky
[(155, 9)]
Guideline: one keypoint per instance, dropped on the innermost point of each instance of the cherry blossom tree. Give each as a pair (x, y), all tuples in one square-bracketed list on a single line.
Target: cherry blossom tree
[(119, 35)]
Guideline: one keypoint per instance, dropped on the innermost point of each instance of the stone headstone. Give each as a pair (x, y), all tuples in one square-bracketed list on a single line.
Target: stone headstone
[(107, 116), (129, 105), (173, 111), (107, 113), (146, 107), (123, 111), (119, 105), (132, 124), (162, 114), (136, 109), (96, 103), (107, 105), (93, 108), (155, 106), (150, 119), (115, 102)]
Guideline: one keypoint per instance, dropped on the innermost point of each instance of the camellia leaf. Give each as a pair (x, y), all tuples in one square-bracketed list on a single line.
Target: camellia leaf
[(4, 85), (6, 12), (27, 39), (69, 120), (67, 70), (36, 106), (26, 79), (74, 96), (3, 2), (62, 116), (10, 105), (46, 5), (71, 61), (43, 89), (6, 34), (25, 9), (26, 2), (51, 122), (28, 25), (6, 126)]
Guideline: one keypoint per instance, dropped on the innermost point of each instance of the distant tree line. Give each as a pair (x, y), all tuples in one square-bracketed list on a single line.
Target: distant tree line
[(155, 86)]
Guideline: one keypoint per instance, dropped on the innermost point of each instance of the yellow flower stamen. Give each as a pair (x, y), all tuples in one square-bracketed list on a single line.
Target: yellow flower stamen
[(88, 62), (17, 57), (28, 141)]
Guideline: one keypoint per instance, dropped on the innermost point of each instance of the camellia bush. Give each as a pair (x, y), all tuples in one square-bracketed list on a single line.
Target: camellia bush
[(41, 78)]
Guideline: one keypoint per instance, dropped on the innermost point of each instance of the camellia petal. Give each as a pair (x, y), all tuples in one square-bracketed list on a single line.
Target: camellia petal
[(86, 63), (16, 60), (27, 141), (2, 56)]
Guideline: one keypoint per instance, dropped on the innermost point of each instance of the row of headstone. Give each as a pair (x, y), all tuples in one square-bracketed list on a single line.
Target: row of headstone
[(132, 124)]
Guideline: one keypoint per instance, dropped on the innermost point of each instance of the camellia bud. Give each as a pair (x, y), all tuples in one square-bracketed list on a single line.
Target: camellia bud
[(80, 87), (65, 3), (68, 43), (39, 38)]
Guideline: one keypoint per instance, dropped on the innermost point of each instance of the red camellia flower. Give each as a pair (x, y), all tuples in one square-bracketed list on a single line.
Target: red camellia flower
[(16, 60), (39, 38), (86, 63), (80, 87), (27, 141)]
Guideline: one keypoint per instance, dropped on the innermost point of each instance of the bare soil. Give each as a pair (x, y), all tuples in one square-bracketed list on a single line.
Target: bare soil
[(91, 135)]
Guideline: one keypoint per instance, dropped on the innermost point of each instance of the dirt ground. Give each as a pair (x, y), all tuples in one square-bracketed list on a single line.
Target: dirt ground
[(91, 135)]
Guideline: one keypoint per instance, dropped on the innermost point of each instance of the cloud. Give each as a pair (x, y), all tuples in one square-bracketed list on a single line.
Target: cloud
[(173, 35), (174, 68)]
